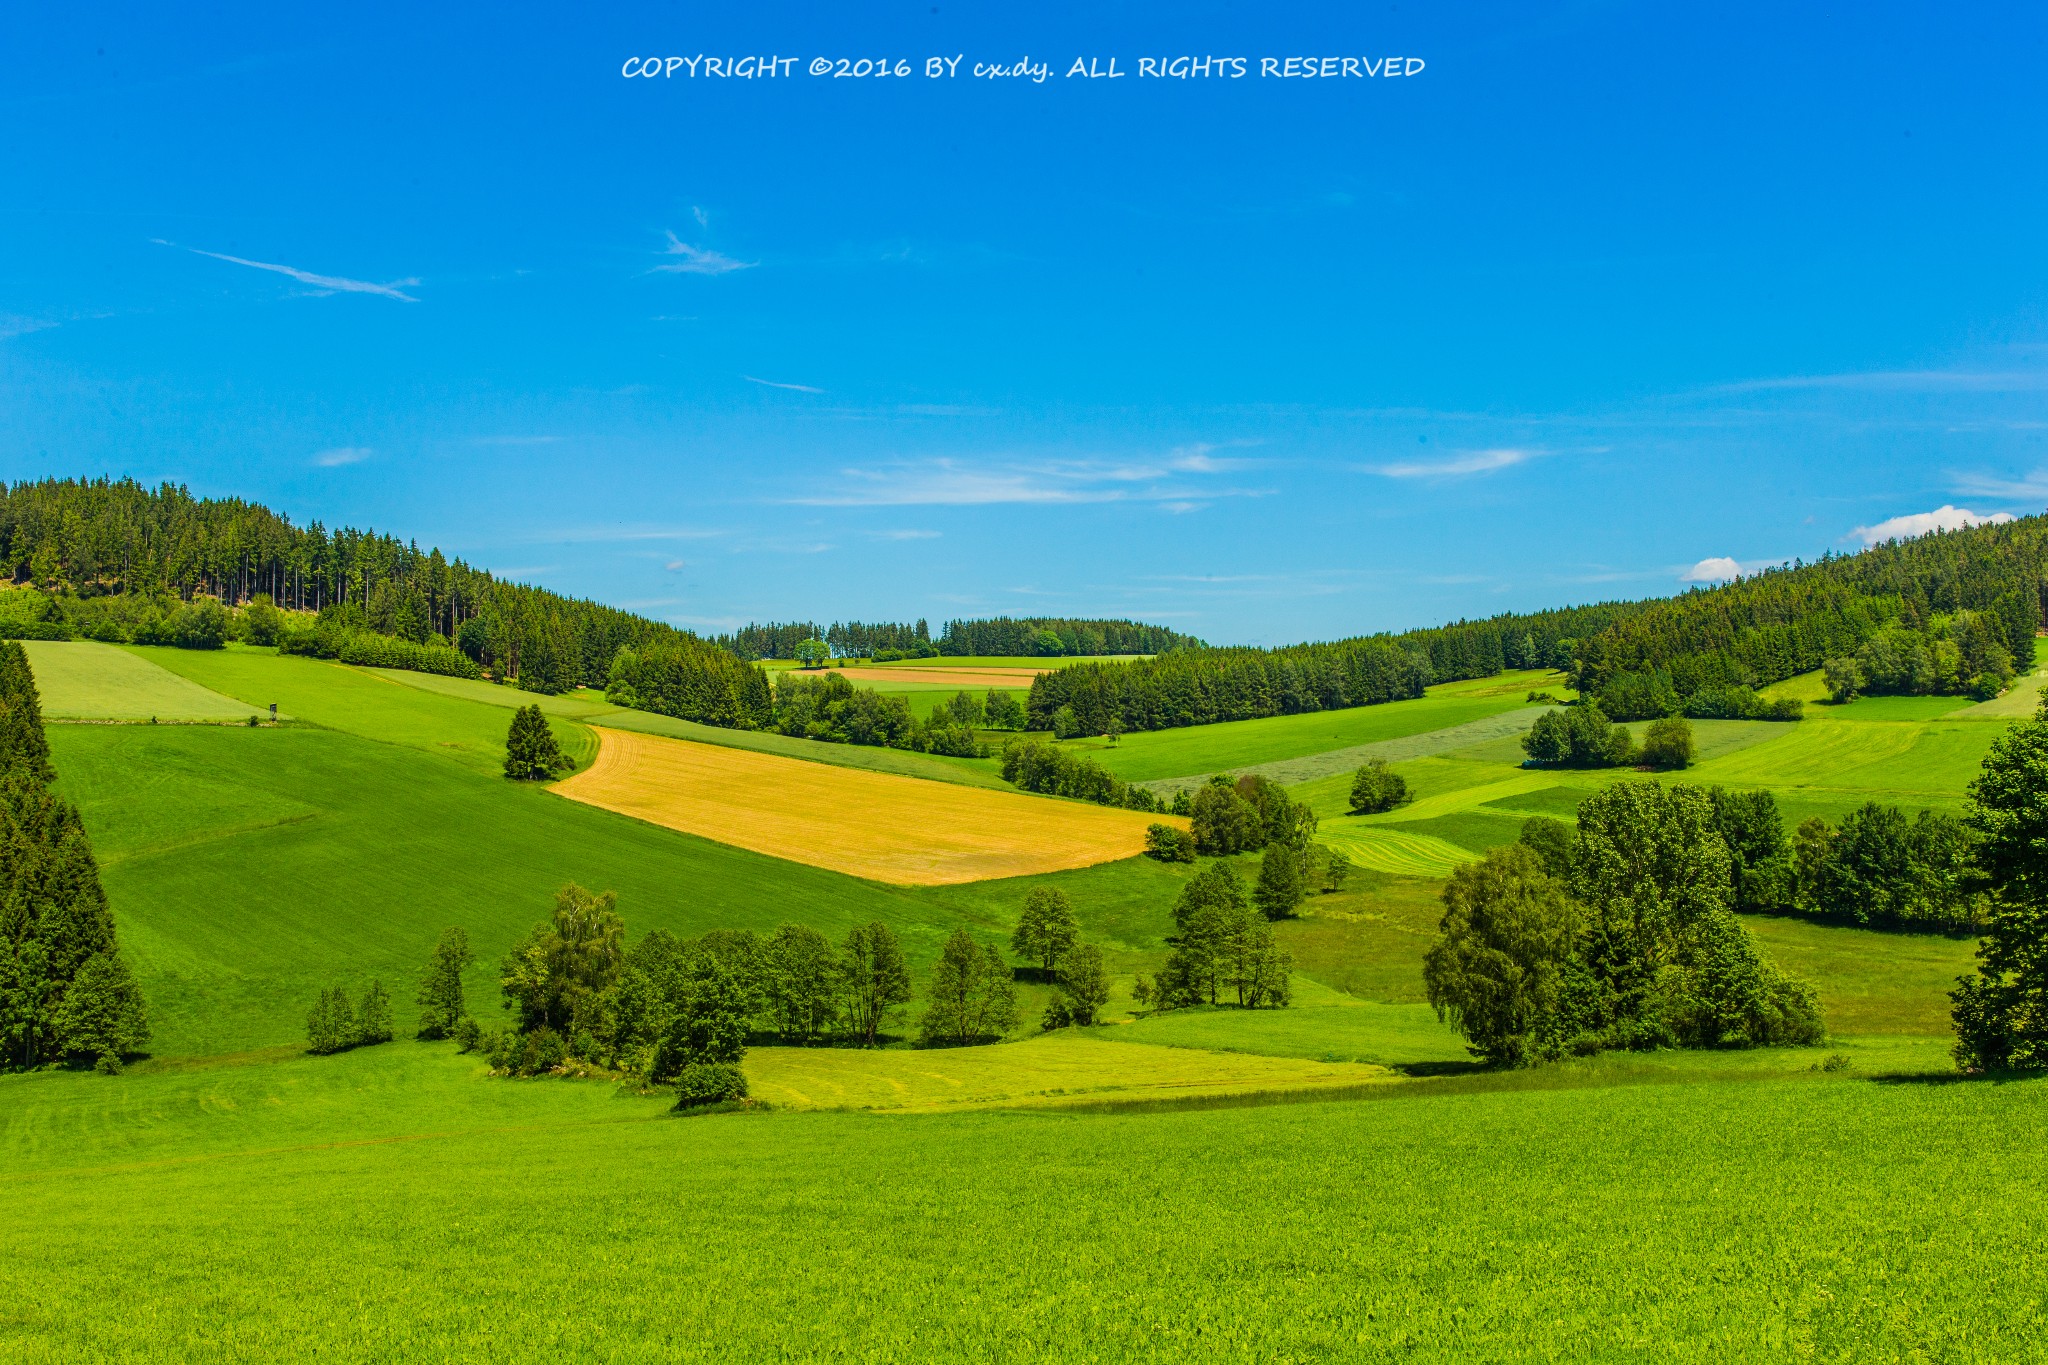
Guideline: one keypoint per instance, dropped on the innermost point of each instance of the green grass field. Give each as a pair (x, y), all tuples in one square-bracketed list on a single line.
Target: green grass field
[(393, 1204), (1243, 744), (84, 680)]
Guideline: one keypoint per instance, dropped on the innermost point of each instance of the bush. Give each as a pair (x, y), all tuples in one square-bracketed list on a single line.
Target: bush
[(200, 624), (703, 1083), (1667, 743), (1037, 766), (1169, 844), (1377, 788), (1578, 737)]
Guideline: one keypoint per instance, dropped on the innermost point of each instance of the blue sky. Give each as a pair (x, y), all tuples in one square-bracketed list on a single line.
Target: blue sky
[(1599, 295)]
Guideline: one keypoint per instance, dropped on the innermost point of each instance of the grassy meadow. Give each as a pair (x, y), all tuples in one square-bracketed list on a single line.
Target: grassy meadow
[(394, 1204), (1333, 1181)]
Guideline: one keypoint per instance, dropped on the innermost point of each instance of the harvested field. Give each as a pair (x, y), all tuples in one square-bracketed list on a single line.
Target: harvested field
[(882, 826)]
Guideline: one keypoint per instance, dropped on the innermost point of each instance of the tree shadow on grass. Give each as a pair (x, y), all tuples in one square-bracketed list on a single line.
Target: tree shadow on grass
[(1958, 1077)]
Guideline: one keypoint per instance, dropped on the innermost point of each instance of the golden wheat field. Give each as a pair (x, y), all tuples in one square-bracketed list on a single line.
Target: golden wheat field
[(881, 826)]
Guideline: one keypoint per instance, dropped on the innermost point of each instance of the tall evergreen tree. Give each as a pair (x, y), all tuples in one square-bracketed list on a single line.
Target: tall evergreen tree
[(65, 991), (441, 1000), (531, 754)]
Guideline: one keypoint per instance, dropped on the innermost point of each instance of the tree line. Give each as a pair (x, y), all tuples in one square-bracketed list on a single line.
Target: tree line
[(66, 991), (997, 636), (1203, 686), (1951, 586), (118, 561)]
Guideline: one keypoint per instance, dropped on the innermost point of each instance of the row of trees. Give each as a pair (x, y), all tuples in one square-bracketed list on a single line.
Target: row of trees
[(1622, 935), (66, 991), (1202, 686), (1003, 635), (1581, 736), (334, 1025), (1652, 695), (1037, 765)]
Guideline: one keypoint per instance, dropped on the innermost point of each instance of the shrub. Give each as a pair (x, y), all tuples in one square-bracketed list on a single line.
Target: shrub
[(200, 624), (1169, 844), (1578, 737), (1667, 743), (1377, 788)]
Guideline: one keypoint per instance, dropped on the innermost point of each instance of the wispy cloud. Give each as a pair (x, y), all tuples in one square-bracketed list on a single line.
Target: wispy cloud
[(2032, 488), (693, 260), (904, 535), (330, 283), (341, 455), (625, 535), (15, 325), (703, 218), (1458, 466), (1944, 518), (948, 483), (778, 384), (1902, 381)]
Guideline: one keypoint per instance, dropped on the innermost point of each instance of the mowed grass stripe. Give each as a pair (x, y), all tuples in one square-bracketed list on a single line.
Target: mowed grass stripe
[(85, 680), (1052, 1068), (881, 826), (1384, 849)]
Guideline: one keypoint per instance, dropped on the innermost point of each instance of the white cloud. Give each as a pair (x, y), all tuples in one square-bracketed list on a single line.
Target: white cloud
[(905, 535), (777, 384), (703, 218), (1942, 518), (1716, 570), (341, 455), (1903, 381), (691, 260), (1459, 466), (331, 283)]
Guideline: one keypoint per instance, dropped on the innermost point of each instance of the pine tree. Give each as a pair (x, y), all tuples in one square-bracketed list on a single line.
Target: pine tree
[(531, 754), (441, 1000)]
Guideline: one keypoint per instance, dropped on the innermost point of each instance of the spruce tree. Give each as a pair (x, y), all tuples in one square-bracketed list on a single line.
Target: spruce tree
[(65, 991), (440, 999), (531, 754)]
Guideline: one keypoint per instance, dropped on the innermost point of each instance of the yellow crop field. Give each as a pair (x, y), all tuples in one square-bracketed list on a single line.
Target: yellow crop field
[(882, 826), (1053, 1068)]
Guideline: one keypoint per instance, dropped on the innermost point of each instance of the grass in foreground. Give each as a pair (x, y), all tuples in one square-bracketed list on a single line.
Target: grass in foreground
[(392, 1204)]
